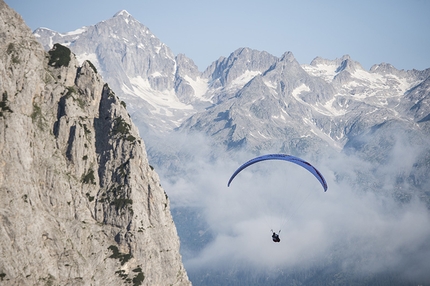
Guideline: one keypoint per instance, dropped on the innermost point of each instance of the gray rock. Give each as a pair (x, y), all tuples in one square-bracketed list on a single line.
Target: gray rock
[(80, 204)]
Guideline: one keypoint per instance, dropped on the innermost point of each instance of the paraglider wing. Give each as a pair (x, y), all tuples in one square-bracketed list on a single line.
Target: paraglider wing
[(284, 157)]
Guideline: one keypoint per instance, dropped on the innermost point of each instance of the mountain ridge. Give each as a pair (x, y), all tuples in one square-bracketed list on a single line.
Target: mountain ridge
[(217, 82)]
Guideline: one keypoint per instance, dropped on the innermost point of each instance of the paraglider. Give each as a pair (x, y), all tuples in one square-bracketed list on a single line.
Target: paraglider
[(289, 158), (284, 157), (275, 236)]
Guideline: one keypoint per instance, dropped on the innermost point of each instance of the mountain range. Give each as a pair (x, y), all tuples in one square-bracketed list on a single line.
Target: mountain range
[(251, 103), (166, 91)]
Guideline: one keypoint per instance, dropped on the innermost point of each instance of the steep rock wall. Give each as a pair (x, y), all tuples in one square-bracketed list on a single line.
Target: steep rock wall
[(79, 202)]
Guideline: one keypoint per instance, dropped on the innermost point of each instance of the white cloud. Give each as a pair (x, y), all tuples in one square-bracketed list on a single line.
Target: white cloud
[(366, 231)]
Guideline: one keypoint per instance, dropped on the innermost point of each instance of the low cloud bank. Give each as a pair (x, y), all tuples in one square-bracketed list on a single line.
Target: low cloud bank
[(359, 224)]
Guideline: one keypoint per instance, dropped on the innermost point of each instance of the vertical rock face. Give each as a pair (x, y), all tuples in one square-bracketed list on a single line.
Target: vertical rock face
[(79, 202)]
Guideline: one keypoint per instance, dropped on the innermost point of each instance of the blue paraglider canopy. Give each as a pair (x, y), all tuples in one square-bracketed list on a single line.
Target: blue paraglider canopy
[(283, 157)]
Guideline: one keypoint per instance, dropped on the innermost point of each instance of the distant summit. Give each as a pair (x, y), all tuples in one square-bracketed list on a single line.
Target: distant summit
[(122, 13)]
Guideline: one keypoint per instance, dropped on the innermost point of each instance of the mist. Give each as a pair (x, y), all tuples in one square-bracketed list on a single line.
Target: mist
[(359, 224)]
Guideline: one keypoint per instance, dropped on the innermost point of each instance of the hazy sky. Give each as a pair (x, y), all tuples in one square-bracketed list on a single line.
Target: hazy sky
[(371, 32)]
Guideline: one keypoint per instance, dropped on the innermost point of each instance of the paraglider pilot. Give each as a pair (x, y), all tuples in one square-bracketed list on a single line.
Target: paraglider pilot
[(275, 237)]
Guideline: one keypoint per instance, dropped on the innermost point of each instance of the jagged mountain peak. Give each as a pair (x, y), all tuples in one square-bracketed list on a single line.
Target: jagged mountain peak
[(286, 67), (123, 49), (250, 59), (125, 26), (186, 66), (288, 56), (240, 67), (319, 60), (384, 68), (122, 26), (347, 64), (122, 13), (44, 30), (339, 71), (345, 57), (123, 18), (138, 66)]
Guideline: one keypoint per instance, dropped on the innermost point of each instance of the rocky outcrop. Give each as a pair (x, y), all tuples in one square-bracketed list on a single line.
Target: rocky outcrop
[(79, 204)]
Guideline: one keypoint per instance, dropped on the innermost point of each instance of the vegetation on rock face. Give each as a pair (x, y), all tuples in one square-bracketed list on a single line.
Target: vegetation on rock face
[(121, 203), (90, 198), (88, 178), (4, 105), (92, 66), (115, 197), (123, 129), (120, 126), (124, 258), (59, 56), (11, 50), (111, 92), (70, 91), (116, 254), (37, 117), (138, 279), (48, 280)]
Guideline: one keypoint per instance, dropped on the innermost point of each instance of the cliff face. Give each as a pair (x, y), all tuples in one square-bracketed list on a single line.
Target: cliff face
[(79, 202)]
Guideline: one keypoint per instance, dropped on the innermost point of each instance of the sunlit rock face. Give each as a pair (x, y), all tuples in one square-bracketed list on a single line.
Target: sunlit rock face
[(79, 204)]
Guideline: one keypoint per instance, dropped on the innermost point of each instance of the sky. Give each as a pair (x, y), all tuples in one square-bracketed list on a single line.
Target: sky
[(371, 32)]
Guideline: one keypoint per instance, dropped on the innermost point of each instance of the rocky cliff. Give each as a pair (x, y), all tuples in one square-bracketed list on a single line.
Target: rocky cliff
[(79, 204)]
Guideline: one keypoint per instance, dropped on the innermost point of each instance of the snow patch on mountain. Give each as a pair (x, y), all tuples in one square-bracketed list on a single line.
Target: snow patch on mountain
[(37, 33), (163, 102), (200, 86), (334, 111), (244, 78), (326, 109), (324, 71), (321, 134), (123, 13), (78, 31), (259, 135), (270, 84), (299, 90), (375, 80), (280, 117)]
